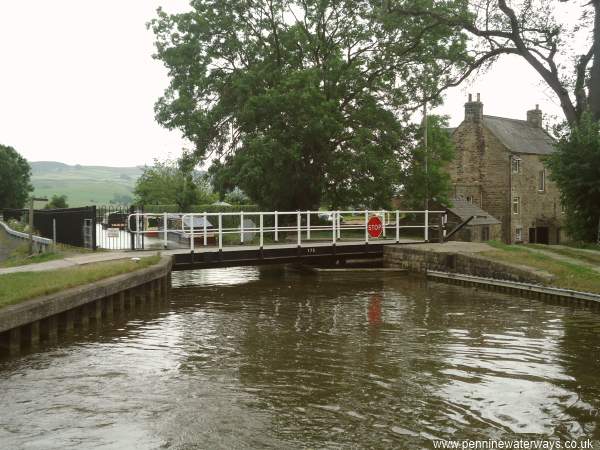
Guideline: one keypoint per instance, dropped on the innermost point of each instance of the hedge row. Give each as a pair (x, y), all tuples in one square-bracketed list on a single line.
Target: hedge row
[(199, 208)]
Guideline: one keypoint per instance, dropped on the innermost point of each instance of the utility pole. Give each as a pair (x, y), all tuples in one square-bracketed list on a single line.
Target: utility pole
[(31, 200), (426, 155)]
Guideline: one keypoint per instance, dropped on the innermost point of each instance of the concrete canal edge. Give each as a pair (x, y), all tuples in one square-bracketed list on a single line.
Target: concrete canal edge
[(473, 270), (29, 322)]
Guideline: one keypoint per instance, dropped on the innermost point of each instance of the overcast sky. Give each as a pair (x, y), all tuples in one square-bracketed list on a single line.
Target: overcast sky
[(78, 83)]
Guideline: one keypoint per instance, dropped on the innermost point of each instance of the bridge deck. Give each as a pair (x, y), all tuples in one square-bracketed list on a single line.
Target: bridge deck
[(309, 252)]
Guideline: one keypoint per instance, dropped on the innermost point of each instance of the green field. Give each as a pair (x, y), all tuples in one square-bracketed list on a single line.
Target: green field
[(83, 185)]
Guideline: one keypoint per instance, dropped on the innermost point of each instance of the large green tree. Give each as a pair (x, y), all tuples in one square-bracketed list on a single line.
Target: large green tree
[(172, 182), (575, 166), (424, 175), (301, 102), (559, 39), (15, 175)]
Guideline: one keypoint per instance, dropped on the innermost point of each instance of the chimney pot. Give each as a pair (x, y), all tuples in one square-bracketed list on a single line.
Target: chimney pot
[(535, 117), (474, 110)]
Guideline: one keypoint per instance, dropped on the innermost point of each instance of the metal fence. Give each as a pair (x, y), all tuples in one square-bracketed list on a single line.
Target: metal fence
[(112, 230), (71, 226), (190, 230)]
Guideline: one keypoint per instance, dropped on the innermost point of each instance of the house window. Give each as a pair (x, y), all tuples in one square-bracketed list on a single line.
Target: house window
[(516, 206), (516, 165), (469, 199), (519, 234), (542, 180)]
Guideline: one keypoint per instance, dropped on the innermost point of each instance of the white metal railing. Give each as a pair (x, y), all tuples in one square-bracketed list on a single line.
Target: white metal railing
[(207, 227)]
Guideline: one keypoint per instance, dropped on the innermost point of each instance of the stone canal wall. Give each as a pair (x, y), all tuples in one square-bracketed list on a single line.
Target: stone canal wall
[(454, 263), (423, 259), (25, 324)]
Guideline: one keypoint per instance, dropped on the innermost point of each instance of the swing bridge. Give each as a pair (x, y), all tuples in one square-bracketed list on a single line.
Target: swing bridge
[(222, 239)]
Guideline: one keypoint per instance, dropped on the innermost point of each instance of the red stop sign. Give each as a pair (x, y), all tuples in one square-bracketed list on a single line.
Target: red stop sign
[(375, 227)]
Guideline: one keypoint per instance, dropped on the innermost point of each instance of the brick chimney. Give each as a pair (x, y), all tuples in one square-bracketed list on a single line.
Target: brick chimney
[(474, 110), (534, 117)]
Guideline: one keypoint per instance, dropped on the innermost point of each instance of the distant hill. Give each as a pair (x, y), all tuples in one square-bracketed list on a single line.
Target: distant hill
[(84, 185)]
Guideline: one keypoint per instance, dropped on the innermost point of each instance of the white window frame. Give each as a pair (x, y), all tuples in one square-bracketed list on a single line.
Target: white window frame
[(542, 180), (516, 164), (518, 234), (516, 201)]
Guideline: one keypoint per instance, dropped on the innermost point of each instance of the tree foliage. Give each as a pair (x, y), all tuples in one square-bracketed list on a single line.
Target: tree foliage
[(15, 175), (425, 175), (302, 101), (57, 201), (575, 167), (172, 182), (535, 30)]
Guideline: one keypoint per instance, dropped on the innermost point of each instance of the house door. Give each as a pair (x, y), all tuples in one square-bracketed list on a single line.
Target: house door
[(532, 239), (485, 234), (543, 235)]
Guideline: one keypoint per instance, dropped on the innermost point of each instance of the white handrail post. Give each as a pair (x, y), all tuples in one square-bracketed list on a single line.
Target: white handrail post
[(384, 222), (220, 231), (339, 225), (299, 228), (205, 234), (366, 226), (242, 227), (276, 227), (191, 232), (139, 226), (308, 225), (397, 227), (54, 234), (261, 221), (426, 225), (165, 234), (333, 224)]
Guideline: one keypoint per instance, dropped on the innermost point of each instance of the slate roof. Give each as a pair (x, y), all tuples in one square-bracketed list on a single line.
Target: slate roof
[(464, 210), (520, 136)]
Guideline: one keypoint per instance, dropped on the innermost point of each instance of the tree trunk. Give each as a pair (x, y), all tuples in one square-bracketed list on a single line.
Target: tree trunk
[(594, 86)]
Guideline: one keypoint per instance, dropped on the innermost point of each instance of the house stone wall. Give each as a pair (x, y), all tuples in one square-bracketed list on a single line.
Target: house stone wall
[(481, 170), (538, 208)]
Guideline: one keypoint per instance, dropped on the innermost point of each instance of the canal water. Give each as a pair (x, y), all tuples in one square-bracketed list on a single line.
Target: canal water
[(272, 358)]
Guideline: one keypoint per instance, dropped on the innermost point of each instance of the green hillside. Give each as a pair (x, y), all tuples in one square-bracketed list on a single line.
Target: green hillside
[(84, 185)]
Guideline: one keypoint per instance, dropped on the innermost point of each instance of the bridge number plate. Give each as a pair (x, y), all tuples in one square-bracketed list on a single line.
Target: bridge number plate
[(375, 227)]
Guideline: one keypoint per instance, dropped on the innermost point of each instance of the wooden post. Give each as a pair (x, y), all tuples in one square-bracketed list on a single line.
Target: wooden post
[(51, 324), (84, 317), (69, 318), (34, 334), (14, 341), (109, 307)]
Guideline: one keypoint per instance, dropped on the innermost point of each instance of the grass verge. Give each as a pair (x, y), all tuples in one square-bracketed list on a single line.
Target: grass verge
[(17, 287), (586, 256), (567, 275), (20, 255)]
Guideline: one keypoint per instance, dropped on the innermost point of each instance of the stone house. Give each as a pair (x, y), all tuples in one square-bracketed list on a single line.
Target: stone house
[(498, 167)]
